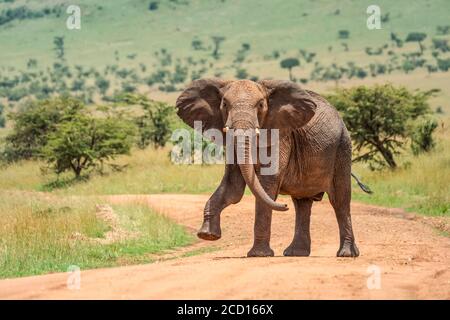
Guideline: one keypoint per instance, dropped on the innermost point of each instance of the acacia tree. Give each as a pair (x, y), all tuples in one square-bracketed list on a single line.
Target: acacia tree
[(87, 142), (379, 119), (33, 123), (2, 118), (154, 123), (59, 47), (417, 37), (289, 63), (217, 40)]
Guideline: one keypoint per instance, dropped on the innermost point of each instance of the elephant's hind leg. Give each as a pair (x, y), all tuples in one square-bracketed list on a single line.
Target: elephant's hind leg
[(301, 244), (340, 196), (230, 190)]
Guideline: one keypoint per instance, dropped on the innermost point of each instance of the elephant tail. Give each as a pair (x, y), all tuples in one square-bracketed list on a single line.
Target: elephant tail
[(364, 187)]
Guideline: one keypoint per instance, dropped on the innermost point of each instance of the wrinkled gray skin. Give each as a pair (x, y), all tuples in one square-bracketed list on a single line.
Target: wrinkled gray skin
[(314, 157)]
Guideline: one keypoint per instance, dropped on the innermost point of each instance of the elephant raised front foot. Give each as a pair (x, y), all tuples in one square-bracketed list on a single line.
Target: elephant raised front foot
[(210, 229)]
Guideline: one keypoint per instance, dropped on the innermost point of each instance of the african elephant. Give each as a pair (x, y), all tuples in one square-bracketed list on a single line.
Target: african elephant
[(314, 157)]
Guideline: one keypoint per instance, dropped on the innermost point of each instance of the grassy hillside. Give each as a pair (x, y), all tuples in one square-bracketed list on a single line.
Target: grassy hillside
[(130, 27)]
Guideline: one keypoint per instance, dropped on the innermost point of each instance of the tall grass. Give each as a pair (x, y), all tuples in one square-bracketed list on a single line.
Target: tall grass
[(39, 235), (421, 184)]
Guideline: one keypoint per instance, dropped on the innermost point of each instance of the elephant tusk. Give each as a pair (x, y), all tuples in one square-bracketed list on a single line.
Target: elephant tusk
[(257, 131), (225, 129)]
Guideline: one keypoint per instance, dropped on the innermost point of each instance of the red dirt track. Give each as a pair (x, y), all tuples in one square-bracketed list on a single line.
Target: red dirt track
[(413, 258)]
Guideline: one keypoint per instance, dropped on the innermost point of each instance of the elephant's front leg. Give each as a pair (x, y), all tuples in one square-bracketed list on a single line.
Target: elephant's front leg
[(263, 222), (230, 190)]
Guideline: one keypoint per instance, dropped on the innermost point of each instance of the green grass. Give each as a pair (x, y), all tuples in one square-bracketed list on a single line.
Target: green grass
[(420, 185), (148, 171), (129, 27), (38, 234)]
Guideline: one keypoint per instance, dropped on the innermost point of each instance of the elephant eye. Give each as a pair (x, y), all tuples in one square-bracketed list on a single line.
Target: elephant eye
[(261, 104)]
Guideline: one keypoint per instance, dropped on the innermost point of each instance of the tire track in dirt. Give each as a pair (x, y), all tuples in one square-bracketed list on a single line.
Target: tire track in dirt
[(414, 260)]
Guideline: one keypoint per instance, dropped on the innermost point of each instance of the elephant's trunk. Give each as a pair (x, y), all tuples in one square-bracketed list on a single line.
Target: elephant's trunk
[(252, 181)]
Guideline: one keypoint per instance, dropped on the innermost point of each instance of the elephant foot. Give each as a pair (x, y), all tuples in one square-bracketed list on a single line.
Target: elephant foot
[(348, 250), (260, 251), (210, 231), (293, 251)]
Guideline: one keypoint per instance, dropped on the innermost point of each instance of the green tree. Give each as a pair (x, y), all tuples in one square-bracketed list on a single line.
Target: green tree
[(217, 40), (344, 34), (59, 47), (241, 73), (417, 37), (154, 125), (2, 117), (33, 123), (102, 84), (87, 142), (197, 44), (378, 119), (289, 63), (153, 5), (422, 136), (441, 44)]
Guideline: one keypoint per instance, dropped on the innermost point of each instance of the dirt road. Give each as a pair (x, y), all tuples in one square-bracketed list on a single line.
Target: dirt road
[(413, 260)]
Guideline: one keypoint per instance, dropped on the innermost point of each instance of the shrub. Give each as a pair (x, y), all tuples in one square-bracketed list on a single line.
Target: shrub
[(443, 64), (441, 44), (377, 118), (241, 73), (102, 84), (86, 142), (154, 124), (422, 136), (344, 34), (33, 124), (2, 118), (153, 5)]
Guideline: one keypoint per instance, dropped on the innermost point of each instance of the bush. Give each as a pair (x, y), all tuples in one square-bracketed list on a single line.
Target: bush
[(441, 44), (2, 118), (416, 37), (153, 5), (241, 73), (443, 64), (344, 34), (422, 136), (86, 142), (377, 118), (34, 123), (154, 124)]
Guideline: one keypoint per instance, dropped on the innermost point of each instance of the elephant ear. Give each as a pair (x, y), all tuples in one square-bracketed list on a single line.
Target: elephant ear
[(200, 101), (290, 106)]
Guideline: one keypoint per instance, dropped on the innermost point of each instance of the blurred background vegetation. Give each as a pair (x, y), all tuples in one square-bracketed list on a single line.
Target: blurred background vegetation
[(90, 111)]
